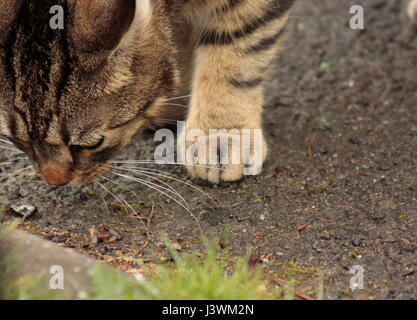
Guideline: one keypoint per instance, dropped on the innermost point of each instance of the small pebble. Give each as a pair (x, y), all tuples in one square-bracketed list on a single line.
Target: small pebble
[(24, 210), (176, 246), (356, 241)]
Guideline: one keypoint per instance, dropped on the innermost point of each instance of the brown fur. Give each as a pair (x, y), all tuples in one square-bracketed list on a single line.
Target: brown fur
[(108, 72)]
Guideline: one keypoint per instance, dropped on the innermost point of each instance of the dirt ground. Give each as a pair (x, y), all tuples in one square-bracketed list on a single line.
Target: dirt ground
[(339, 188)]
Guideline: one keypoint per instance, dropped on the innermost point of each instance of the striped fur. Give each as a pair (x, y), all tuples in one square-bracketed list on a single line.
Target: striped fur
[(72, 98)]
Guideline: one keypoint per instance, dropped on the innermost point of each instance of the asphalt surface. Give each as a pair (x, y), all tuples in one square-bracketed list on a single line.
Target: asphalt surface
[(339, 187)]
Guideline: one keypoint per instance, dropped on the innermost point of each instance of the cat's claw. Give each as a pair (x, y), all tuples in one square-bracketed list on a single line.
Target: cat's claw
[(223, 162)]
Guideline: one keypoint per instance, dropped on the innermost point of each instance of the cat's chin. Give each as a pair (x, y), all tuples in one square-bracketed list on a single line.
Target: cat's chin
[(86, 176)]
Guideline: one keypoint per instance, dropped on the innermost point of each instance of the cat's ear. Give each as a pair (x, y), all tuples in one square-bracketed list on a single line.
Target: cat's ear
[(101, 24), (8, 13)]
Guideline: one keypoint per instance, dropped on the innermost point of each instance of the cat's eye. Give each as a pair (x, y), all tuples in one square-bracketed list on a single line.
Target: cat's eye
[(93, 147)]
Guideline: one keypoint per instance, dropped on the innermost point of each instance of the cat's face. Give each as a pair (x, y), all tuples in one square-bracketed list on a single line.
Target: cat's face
[(72, 98)]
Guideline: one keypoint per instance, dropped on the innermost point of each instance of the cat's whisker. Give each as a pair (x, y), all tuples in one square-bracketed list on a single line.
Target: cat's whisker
[(110, 192), (133, 192), (168, 121), (23, 169), (149, 175), (17, 151), (164, 174), (120, 199), (12, 161), (176, 105), (17, 159), (168, 188), (177, 98), (146, 183), (105, 204), (6, 141), (5, 163), (18, 171), (149, 185), (124, 187), (146, 174), (159, 163)]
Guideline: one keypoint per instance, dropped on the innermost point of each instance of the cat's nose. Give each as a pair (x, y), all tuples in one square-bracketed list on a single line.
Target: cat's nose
[(56, 174)]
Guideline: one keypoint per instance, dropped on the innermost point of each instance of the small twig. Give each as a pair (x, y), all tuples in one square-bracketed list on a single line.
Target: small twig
[(298, 294), (148, 232)]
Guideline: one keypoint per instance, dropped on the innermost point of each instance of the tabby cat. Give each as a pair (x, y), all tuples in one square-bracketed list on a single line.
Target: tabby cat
[(72, 98)]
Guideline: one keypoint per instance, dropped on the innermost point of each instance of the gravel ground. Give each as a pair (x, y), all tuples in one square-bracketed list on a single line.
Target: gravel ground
[(338, 190)]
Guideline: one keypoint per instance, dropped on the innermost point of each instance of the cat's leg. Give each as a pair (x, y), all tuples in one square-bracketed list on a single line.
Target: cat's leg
[(412, 10), (237, 45)]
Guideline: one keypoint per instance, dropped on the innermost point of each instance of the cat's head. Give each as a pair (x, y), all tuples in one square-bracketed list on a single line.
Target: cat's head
[(72, 98)]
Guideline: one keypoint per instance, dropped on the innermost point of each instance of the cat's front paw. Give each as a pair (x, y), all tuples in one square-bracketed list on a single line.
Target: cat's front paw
[(412, 11), (222, 155)]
